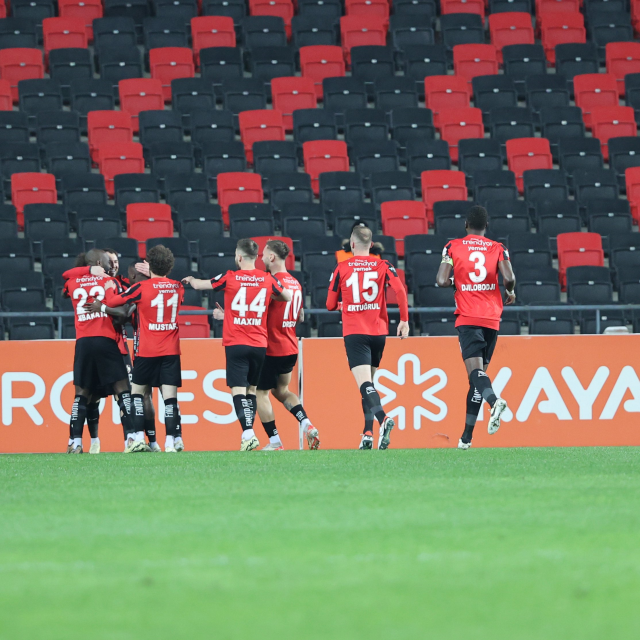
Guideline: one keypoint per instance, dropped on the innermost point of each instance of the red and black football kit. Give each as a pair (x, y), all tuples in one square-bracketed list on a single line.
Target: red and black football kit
[(478, 299), (247, 297), (360, 283), (158, 301), (282, 345)]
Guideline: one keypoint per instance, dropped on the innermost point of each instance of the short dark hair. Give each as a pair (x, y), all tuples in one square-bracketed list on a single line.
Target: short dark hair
[(477, 218), (93, 256), (112, 251), (281, 249), (248, 248), (81, 260), (160, 260)]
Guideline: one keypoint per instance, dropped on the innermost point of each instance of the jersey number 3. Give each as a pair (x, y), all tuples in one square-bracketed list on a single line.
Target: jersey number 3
[(480, 272)]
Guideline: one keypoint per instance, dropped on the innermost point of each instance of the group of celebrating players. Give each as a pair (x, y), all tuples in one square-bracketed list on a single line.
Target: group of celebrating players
[(260, 314)]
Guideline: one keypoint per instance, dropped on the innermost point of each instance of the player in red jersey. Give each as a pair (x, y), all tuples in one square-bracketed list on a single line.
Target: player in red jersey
[(157, 361), (282, 351), (98, 362), (475, 261), (359, 283), (247, 296)]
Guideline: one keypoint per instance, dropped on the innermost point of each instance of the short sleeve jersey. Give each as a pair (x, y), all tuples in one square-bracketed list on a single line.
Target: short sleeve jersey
[(247, 296), (158, 301), (361, 282), (282, 318), (475, 274), (83, 290)]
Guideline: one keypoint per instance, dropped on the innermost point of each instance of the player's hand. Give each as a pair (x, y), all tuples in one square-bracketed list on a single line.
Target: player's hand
[(95, 306), (509, 298), (110, 284), (218, 312), (188, 280), (143, 268), (340, 305), (403, 329), (97, 270)]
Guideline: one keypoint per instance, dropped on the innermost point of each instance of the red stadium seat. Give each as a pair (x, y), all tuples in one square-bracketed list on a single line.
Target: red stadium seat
[(510, 28), (280, 8), (262, 241), (462, 6), (85, 10), (324, 155), (238, 187), (140, 94), (561, 28), (108, 126), (578, 249), (471, 60), (528, 153), (212, 31), (622, 58), (612, 122), (319, 62), (169, 63), (31, 188), (593, 90), (358, 31), (147, 220), (442, 185), (261, 124), (3, 9), (6, 99), (367, 8), (289, 94), (64, 33), (402, 218), (120, 157), (20, 64), (193, 326), (457, 124), (632, 181), (544, 7), (392, 300), (446, 92)]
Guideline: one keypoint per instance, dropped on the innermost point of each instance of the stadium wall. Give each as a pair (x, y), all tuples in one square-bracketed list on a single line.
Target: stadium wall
[(562, 391)]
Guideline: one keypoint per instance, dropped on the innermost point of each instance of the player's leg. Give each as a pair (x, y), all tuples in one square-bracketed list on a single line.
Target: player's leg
[(93, 417), (150, 421), (78, 416), (85, 377), (172, 420), (268, 419), (474, 402), (238, 364), (129, 399)]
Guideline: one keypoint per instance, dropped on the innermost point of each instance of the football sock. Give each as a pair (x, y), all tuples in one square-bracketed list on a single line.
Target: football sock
[(243, 411), (168, 442), (248, 434), (77, 442), (78, 416), (123, 416), (481, 381), (275, 439), (474, 402), (368, 418), (150, 429), (95, 440), (270, 429), (299, 413), (371, 400), (172, 417), (136, 413), (93, 415), (253, 403)]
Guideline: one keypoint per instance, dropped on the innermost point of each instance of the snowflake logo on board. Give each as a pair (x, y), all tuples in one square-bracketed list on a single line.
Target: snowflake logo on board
[(399, 383)]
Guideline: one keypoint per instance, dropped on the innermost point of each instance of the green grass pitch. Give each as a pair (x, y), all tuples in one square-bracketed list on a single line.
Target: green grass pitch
[(513, 544)]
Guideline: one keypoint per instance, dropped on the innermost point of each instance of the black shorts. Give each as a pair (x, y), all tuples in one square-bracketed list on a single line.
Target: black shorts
[(363, 349), (97, 364), (477, 342), (244, 365), (273, 367), (154, 372)]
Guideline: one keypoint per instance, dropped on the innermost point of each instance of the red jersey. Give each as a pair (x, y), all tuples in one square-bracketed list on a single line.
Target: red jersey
[(157, 301), (282, 318), (247, 296), (475, 274), (360, 283), (84, 289)]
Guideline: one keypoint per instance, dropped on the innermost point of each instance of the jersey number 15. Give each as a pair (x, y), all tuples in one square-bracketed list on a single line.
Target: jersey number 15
[(369, 289)]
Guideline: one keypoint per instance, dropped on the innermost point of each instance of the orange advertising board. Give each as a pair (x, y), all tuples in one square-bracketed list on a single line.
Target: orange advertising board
[(562, 391)]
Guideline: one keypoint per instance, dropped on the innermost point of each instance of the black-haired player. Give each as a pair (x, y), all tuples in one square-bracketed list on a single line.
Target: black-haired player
[(475, 261)]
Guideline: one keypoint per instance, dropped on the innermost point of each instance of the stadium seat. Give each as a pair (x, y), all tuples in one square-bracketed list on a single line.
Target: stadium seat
[(605, 28), (247, 218), (442, 185), (365, 125), (90, 95), (342, 93), (344, 222), (221, 157), (529, 251), (120, 64), (267, 63), (282, 8), (426, 155), (446, 92), (164, 32), (595, 184), (14, 127), (309, 32), (547, 91), (508, 123), (371, 157), (372, 63), (367, 7), (201, 222), (320, 10), (263, 31), (119, 157), (623, 58), (494, 185), (29, 188), (64, 33), (463, 6), (612, 122), (290, 94), (340, 191), (479, 155), (314, 124), (148, 220), (57, 126), (193, 326), (320, 62), (264, 124), (594, 90), (168, 63), (579, 154), (578, 249), (211, 31), (589, 285), (401, 218), (289, 189), (62, 158), (418, 62), (67, 65), (493, 91), (6, 99), (324, 155), (218, 64), (528, 153), (108, 126), (40, 95), (83, 190), (16, 33), (98, 221), (471, 60), (22, 157), (523, 60), (24, 292), (140, 94), (160, 126), (410, 124), (461, 28), (185, 191), (609, 217), (511, 28), (544, 185), (576, 59), (459, 123), (561, 28), (561, 122), (300, 220), (410, 31), (44, 221), (632, 183), (274, 156), (362, 30), (243, 94), (130, 188), (212, 126), (389, 186), (20, 64), (395, 93), (238, 187)]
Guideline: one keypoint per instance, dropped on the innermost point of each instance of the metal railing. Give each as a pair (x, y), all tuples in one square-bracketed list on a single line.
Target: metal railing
[(597, 309)]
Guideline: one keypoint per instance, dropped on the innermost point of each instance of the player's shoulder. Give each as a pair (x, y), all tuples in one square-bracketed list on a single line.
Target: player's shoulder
[(285, 278)]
